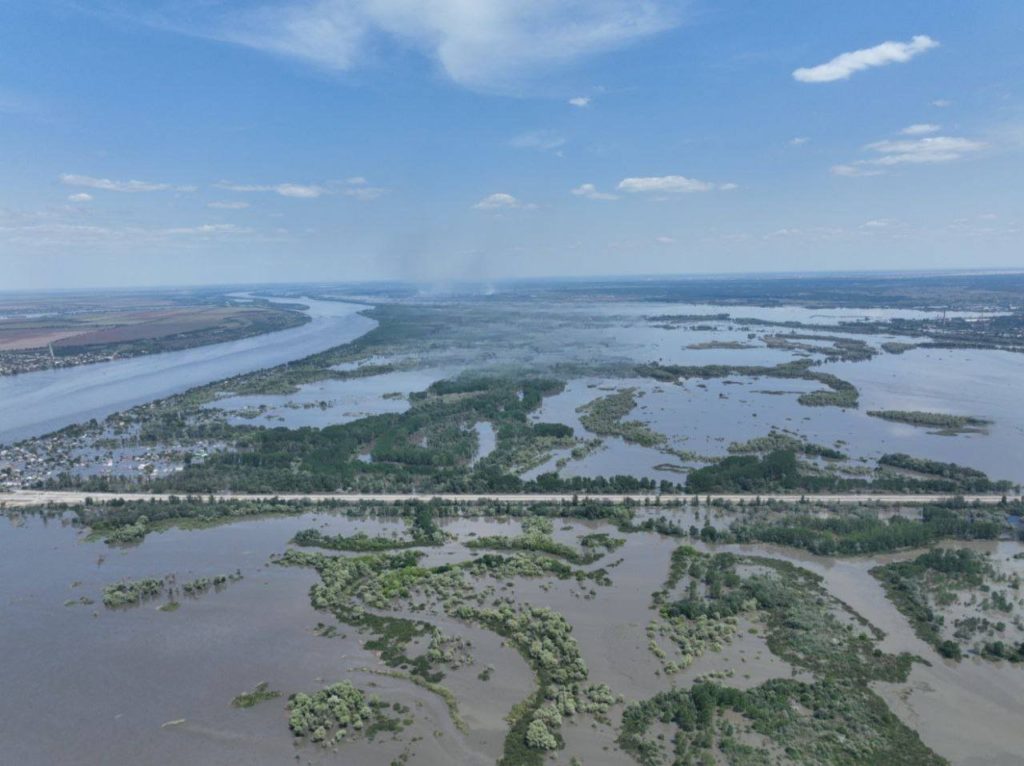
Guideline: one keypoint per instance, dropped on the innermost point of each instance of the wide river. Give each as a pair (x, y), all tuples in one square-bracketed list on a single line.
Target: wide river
[(41, 402)]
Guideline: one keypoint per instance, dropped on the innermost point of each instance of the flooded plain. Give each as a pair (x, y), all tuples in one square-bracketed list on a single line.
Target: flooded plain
[(698, 418), (702, 417), (92, 685)]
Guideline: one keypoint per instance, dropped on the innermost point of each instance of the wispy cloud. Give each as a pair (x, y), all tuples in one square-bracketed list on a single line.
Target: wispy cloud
[(500, 201), (591, 192), (43, 231), (846, 64), (798, 141), (129, 187), (80, 197), (544, 140), (813, 233), (914, 150), (482, 44), (237, 205), (853, 171), (921, 129), (923, 150), (298, 191), (671, 184), (356, 187), (580, 101), (205, 230)]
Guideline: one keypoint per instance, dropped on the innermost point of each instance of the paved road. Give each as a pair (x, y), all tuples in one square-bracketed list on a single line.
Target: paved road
[(26, 498)]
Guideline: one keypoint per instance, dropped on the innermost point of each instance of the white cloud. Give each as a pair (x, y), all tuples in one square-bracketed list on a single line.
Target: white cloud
[(664, 240), (845, 64), (355, 187), (851, 171), (478, 43), (131, 187), (798, 141), (499, 201), (298, 191), (80, 197), (671, 184), (590, 192), (580, 101), (228, 205), (543, 140), (923, 150), (206, 230), (359, 188), (921, 129), (877, 223), (942, 103), (928, 150)]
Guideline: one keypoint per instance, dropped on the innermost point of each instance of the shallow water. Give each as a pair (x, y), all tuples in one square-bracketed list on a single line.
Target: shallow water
[(487, 439), (968, 712), (332, 402), (705, 416), (107, 680)]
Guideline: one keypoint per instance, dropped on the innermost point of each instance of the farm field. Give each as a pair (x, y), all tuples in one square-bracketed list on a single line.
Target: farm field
[(66, 332)]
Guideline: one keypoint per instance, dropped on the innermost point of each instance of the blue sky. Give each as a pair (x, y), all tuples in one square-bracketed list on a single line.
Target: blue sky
[(192, 141)]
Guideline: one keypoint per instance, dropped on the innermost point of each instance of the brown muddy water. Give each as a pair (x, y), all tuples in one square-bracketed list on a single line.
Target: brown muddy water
[(87, 685)]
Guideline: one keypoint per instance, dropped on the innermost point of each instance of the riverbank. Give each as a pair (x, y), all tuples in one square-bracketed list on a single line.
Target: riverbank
[(37, 403)]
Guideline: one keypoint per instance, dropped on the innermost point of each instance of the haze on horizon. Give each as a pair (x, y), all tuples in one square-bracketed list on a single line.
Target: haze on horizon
[(186, 142)]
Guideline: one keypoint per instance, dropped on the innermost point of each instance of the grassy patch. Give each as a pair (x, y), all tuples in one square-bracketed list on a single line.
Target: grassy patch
[(261, 693)]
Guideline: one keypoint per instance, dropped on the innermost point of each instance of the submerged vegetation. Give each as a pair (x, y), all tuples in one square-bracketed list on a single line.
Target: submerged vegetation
[(948, 477), (828, 722), (826, 714), (776, 440), (423, 530), (340, 711), (131, 592), (854, 531), (943, 423), (134, 592), (261, 693), (940, 584), (835, 719), (805, 624), (838, 392), (134, 532), (604, 417), (780, 471), (537, 537), (351, 584), (422, 515)]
